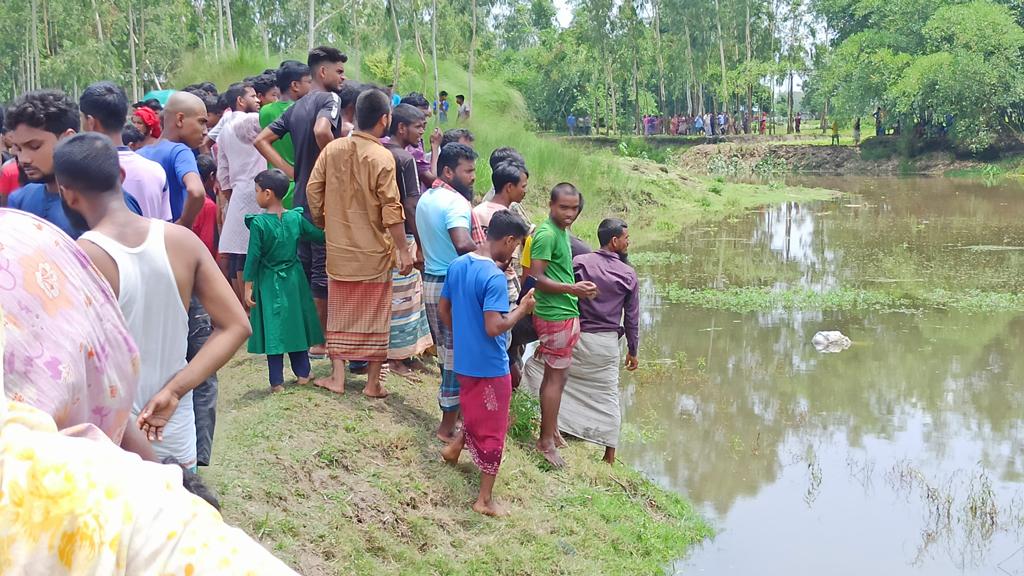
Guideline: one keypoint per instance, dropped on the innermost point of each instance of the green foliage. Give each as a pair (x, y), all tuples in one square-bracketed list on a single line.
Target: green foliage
[(919, 57), (752, 299), (641, 148), (525, 415)]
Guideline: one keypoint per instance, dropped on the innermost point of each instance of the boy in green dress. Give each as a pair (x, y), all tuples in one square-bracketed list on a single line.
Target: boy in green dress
[(282, 313)]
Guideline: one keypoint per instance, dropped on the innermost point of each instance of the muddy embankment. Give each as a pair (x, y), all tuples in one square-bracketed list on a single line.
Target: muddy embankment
[(815, 159)]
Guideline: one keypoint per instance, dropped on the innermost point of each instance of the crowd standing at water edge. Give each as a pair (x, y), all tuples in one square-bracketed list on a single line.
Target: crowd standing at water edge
[(304, 212)]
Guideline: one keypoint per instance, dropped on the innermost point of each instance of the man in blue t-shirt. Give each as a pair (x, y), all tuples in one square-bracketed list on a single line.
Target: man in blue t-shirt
[(474, 305), (184, 122), (444, 220), (37, 121)]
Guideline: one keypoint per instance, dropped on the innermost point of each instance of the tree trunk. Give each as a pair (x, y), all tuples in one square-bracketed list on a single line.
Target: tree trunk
[(46, 29), (433, 50), (750, 88), (636, 96), (220, 24), (611, 84), (357, 45), (311, 29), (689, 99), (35, 44), (398, 44), (419, 45), (789, 104), (231, 29), (265, 37), (131, 53), (99, 22), (689, 59), (721, 50), (472, 58), (661, 62)]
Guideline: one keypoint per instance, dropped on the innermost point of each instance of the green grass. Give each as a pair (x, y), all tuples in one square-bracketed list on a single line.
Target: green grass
[(754, 299), (346, 485)]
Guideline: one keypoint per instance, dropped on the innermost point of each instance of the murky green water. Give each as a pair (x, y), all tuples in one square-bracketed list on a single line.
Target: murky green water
[(901, 455)]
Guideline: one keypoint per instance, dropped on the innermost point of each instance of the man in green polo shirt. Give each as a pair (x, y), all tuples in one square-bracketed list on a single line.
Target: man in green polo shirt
[(294, 81), (557, 315)]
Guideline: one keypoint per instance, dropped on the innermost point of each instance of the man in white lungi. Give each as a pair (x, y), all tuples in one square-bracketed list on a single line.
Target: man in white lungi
[(590, 402)]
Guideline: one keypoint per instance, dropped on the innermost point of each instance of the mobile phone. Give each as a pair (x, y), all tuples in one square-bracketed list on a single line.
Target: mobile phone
[(527, 286)]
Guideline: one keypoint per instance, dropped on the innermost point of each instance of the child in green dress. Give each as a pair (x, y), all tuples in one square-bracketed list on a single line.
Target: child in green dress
[(283, 316)]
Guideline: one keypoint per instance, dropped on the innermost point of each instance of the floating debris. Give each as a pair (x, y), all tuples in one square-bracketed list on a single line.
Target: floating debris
[(830, 342)]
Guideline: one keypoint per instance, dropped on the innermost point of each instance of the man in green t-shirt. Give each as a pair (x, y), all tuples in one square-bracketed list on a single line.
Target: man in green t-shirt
[(557, 315), (294, 81)]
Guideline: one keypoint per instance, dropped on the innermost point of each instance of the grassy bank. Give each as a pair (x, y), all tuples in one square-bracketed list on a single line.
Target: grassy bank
[(346, 485)]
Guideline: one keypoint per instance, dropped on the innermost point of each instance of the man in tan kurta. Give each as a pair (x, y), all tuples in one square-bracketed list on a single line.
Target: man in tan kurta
[(354, 197)]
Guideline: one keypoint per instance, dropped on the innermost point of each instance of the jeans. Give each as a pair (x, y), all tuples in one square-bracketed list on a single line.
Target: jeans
[(204, 396), (299, 361)]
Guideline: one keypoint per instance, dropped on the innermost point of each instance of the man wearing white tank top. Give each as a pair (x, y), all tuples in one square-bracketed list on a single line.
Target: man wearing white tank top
[(154, 268)]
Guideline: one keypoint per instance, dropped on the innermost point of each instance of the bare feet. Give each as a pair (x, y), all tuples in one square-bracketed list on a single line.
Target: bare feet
[(447, 438), (377, 392), (559, 441), (303, 381), (277, 388), (417, 365), (550, 453), (318, 352), (451, 452), (399, 368), (490, 508), (331, 383)]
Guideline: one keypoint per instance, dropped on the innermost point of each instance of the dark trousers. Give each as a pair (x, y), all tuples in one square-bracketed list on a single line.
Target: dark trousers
[(299, 361), (204, 396)]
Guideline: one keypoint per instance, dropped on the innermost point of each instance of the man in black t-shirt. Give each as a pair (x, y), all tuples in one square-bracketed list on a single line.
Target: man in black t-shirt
[(312, 122)]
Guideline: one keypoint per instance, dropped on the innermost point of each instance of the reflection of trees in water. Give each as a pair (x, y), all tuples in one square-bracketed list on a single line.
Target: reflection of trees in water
[(912, 231), (724, 427)]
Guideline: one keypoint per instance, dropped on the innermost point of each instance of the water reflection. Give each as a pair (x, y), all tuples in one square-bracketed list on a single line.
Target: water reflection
[(921, 232), (794, 453)]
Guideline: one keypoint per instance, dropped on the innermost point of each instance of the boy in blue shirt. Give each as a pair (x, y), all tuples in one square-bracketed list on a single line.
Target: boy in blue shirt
[(474, 304)]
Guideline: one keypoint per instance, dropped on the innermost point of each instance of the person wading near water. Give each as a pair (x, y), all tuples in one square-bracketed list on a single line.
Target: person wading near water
[(313, 122), (354, 197), (474, 304), (444, 220), (590, 403), (557, 316), (154, 268)]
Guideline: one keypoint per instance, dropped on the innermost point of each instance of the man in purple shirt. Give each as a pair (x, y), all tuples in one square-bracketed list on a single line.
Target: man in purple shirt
[(590, 403)]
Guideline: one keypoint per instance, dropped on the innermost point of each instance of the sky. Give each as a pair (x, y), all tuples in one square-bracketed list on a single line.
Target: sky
[(564, 12)]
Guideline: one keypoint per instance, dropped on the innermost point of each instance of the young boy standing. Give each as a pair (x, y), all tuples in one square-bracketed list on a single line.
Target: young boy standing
[(474, 305), (557, 318), (283, 315), (154, 268)]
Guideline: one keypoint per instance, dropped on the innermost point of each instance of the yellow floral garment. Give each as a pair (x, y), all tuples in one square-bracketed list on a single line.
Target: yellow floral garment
[(78, 506)]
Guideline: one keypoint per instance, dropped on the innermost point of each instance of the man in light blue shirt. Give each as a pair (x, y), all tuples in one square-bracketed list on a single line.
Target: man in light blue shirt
[(444, 220)]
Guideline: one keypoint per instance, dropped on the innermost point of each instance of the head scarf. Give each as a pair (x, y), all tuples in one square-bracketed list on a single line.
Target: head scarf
[(68, 352), (150, 119)]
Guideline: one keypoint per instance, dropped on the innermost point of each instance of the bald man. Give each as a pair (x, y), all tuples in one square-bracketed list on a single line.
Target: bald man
[(184, 126)]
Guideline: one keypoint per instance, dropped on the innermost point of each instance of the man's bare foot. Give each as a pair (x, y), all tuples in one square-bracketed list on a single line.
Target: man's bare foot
[(398, 367), (378, 392), (559, 441), (447, 438), (492, 508), (417, 365), (331, 383), (277, 388), (318, 352), (451, 452), (303, 381), (550, 453)]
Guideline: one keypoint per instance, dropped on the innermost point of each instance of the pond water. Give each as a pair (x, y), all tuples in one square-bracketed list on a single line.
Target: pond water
[(903, 454)]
